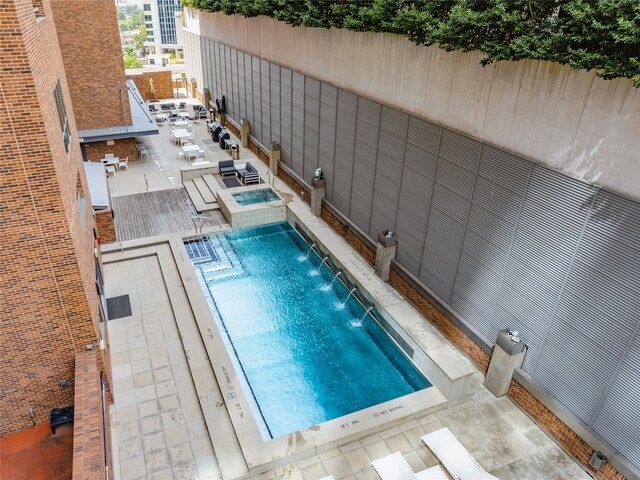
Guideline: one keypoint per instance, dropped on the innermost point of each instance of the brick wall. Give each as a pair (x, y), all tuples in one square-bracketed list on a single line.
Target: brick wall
[(122, 148), (90, 44), (106, 226), (88, 427), (48, 299), (566, 437), (162, 84)]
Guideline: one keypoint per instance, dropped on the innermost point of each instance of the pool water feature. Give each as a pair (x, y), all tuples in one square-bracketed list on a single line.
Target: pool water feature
[(309, 353), (254, 197)]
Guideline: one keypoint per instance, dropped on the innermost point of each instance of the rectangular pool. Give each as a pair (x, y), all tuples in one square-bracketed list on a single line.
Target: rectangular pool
[(254, 197), (309, 351)]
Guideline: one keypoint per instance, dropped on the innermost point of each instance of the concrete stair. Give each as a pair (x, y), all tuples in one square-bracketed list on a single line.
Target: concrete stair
[(202, 193)]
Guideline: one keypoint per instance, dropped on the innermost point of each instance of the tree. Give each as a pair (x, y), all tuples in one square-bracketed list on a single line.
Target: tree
[(129, 58), (139, 39), (129, 18), (600, 35)]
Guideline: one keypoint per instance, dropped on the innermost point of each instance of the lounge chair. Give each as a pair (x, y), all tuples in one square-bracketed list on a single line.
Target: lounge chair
[(227, 168), (182, 106), (249, 174), (455, 458), (395, 467), (152, 108)]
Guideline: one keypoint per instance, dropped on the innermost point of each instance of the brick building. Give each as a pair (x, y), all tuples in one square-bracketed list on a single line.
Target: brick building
[(51, 299), (109, 113), (50, 302)]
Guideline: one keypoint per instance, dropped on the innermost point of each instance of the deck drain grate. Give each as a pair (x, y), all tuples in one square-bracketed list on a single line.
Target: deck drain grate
[(118, 307)]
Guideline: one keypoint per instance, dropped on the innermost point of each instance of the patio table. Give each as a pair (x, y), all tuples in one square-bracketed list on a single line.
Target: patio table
[(183, 114), (179, 133), (180, 123), (115, 161)]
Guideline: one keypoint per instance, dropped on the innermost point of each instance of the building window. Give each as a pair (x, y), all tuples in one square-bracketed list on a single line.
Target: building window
[(146, 7), (62, 115)]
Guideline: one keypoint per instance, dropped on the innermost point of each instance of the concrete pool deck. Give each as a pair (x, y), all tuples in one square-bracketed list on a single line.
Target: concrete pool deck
[(169, 412)]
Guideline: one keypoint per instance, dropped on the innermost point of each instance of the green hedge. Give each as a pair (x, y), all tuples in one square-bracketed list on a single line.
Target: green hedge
[(601, 35)]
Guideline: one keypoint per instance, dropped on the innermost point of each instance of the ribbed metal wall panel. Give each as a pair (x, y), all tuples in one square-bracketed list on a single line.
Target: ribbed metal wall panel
[(233, 95), (257, 98), (248, 89), (497, 197), (219, 70), (297, 124), (505, 243), (413, 214), (619, 415), (543, 246), (311, 127), (228, 87), (207, 68), (285, 116), (344, 152), (275, 103), (265, 84), (424, 134), (568, 361), (327, 138), (242, 88)]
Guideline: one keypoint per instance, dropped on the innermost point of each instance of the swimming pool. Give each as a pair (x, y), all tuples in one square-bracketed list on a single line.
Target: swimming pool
[(253, 197), (308, 350)]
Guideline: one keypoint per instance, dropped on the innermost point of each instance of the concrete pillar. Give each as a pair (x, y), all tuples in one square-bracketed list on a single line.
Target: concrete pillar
[(206, 97), (274, 158), (244, 132), (385, 252), (318, 191), (508, 354)]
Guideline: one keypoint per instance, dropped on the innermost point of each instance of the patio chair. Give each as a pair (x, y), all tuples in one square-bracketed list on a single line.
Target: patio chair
[(396, 467), (110, 169), (227, 168), (454, 457), (180, 154), (182, 106), (123, 163), (249, 174), (153, 109), (159, 121), (109, 155), (142, 151)]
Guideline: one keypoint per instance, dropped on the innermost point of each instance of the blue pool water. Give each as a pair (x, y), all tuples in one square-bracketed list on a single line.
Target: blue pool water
[(254, 197), (306, 355)]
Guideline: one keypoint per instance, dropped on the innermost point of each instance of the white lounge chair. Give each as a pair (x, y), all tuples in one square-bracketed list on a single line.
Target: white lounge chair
[(396, 467), (455, 458)]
